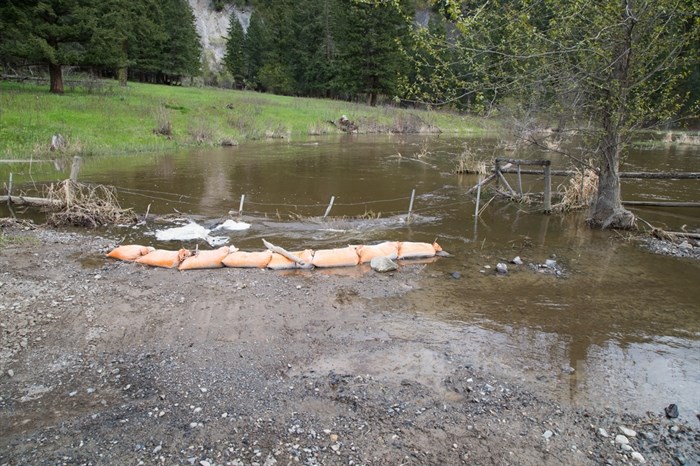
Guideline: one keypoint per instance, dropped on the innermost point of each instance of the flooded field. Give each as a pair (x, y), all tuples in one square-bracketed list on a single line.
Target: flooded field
[(618, 327)]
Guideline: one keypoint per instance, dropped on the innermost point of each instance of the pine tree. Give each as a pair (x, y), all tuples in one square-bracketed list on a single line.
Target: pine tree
[(182, 50), (313, 52), (234, 60), (256, 47), (146, 56), (123, 26), (49, 32), (368, 47)]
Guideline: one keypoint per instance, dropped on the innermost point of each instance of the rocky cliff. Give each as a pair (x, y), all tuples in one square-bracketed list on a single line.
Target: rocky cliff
[(212, 26)]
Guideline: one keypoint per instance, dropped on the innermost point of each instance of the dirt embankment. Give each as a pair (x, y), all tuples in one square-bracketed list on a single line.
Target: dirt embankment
[(108, 362)]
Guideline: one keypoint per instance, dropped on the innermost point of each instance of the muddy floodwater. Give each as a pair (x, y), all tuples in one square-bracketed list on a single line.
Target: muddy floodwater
[(617, 326)]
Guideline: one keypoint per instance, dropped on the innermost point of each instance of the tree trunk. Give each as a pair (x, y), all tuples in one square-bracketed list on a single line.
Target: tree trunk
[(122, 73), (56, 77), (607, 210)]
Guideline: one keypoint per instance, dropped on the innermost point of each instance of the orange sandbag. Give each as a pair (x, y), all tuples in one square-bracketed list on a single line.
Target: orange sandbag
[(163, 258), (130, 252), (341, 257), (248, 259), (388, 249), (279, 262), (409, 250), (205, 259)]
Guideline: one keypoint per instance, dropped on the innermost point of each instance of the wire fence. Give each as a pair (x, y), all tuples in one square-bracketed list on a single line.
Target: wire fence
[(266, 209)]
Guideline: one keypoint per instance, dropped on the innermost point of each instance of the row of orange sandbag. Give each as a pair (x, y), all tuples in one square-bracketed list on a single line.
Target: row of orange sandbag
[(274, 258)]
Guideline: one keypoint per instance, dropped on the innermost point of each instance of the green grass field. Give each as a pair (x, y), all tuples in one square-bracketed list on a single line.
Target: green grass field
[(109, 119)]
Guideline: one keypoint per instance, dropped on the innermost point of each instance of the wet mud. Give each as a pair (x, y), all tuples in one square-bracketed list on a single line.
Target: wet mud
[(106, 362)]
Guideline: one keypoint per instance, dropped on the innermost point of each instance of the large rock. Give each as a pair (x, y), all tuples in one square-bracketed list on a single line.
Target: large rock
[(383, 264), (212, 27)]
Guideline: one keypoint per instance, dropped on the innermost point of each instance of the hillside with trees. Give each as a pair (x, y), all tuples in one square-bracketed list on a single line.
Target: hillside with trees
[(148, 40), (601, 70)]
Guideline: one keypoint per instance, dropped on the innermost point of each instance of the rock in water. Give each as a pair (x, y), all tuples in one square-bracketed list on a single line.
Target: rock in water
[(383, 264), (671, 411), (456, 275)]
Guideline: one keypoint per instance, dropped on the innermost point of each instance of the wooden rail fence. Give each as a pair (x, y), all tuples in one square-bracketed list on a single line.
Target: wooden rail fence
[(513, 166)]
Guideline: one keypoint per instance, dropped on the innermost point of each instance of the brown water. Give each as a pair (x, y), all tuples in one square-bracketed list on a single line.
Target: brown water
[(626, 321)]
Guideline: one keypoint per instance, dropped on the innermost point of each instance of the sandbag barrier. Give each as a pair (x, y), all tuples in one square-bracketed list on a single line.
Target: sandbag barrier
[(274, 257)]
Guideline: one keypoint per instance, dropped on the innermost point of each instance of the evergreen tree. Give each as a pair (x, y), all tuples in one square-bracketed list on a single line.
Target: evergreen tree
[(123, 26), (313, 51), (275, 74), (146, 56), (49, 32), (369, 47), (256, 47), (234, 60), (182, 50)]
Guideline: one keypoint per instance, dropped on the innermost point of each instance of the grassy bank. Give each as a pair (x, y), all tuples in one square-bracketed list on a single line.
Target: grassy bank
[(144, 117)]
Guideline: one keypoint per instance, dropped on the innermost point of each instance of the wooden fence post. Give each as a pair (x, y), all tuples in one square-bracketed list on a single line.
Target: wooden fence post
[(410, 205), (330, 206), (547, 187), (9, 191), (68, 186), (478, 199), (240, 206)]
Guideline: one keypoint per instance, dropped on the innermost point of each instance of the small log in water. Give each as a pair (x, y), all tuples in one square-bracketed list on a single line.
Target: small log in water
[(662, 175), (683, 234), (661, 203), (33, 201)]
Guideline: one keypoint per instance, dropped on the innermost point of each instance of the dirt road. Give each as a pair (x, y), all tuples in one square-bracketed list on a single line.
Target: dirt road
[(107, 362)]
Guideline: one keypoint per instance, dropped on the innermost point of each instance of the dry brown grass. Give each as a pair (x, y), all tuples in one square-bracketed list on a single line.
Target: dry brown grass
[(687, 139), (468, 162), (579, 192), (86, 205), (68, 148)]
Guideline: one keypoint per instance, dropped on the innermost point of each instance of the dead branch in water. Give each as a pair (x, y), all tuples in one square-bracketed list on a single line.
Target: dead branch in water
[(284, 252), (86, 205)]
